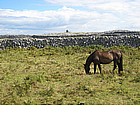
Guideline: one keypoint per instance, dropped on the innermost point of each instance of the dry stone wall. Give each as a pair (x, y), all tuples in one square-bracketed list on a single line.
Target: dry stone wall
[(107, 39)]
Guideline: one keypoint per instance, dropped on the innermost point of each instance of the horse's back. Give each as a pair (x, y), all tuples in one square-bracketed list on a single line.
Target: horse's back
[(102, 57), (97, 54)]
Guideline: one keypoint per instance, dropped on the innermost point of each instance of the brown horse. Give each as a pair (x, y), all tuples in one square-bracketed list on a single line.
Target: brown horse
[(98, 58)]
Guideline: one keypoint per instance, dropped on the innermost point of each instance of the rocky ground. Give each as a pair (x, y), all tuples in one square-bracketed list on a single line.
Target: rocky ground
[(107, 39)]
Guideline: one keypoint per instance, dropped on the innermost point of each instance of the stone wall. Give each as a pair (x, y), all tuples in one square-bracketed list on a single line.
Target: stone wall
[(107, 39)]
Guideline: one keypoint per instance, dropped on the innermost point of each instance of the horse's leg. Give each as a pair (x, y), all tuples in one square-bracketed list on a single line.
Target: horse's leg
[(95, 68), (119, 68), (99, 66), (115, 65)]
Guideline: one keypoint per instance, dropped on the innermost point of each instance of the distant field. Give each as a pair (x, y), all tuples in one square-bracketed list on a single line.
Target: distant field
[(56, 76)]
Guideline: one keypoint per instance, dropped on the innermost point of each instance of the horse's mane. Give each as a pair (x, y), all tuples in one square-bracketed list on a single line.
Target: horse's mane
[(90, 56), (93, 52)]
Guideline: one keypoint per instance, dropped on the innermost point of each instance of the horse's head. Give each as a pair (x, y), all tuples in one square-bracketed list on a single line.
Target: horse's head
[(87, 68)]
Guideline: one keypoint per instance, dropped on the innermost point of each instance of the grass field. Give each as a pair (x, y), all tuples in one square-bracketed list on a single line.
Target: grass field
[(56, 76)]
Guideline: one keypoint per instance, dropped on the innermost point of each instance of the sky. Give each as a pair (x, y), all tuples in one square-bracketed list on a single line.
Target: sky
[(53, 16)]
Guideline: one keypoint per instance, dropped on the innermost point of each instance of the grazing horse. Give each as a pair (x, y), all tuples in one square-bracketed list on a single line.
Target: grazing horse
[(106, 57)]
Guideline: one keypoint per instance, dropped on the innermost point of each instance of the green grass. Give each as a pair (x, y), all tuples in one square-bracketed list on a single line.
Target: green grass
[(56, 76)]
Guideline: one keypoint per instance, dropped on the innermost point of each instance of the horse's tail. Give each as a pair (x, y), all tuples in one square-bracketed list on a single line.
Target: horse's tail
[(121, 63)]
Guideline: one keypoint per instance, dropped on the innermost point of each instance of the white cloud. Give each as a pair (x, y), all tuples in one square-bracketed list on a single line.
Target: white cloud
[(70, 2), (101, 4), (46, 21), (98, 15)]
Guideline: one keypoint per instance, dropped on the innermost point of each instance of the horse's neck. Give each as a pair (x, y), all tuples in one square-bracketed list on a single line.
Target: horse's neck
[(89, 61), (90, 58)]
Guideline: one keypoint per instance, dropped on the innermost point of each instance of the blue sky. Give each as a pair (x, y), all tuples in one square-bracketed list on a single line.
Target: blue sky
[(47, 16), (39, 5)]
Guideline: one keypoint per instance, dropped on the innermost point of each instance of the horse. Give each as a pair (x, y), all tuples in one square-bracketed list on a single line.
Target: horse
[(104, 57)]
